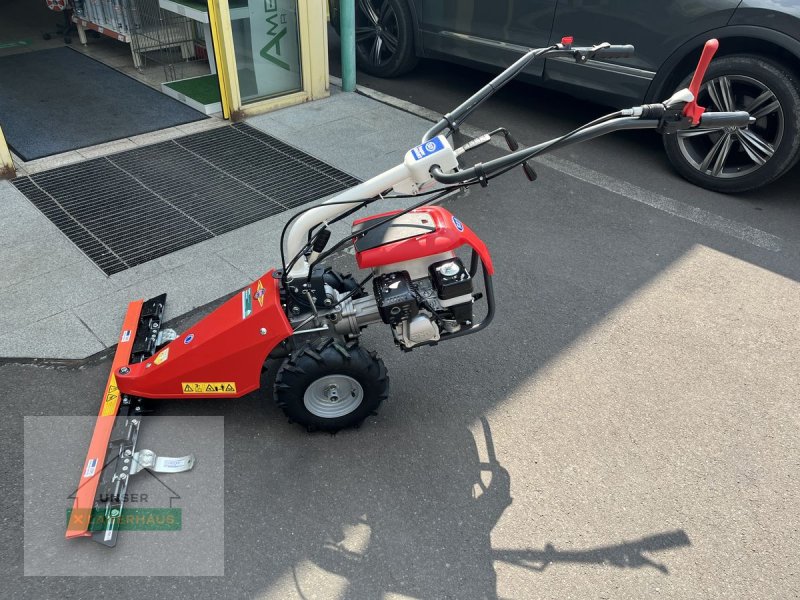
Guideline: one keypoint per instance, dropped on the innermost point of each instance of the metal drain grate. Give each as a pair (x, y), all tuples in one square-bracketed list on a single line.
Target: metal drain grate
[(125, 209)]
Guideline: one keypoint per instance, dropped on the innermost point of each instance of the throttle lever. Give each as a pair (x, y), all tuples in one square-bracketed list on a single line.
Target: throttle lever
[(529, 172), (513, 145), (511, 142), (692, 110)]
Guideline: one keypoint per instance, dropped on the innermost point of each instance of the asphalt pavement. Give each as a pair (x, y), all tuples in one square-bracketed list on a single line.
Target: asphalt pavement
[(626, 428)]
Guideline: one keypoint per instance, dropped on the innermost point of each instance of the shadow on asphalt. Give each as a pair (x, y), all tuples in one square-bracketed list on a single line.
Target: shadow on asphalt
[(629, 555)]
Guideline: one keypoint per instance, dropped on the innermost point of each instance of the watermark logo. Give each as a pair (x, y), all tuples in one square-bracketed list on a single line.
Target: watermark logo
[(125, 511), (135, 518)]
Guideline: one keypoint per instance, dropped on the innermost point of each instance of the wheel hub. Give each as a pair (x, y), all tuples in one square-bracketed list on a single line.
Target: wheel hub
[(333, 396), (332, 392)]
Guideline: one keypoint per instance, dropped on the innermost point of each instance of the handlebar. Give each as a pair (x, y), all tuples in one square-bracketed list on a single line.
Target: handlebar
[(481, 171), (718, 120), (484, 170), (615, 51), (679, 112)]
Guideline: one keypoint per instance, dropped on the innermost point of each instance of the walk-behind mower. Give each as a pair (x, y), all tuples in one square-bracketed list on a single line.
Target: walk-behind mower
[(310, 316)]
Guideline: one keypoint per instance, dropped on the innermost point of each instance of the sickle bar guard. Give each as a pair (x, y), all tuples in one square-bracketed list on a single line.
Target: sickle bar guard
[(219, 357), (112, 457)]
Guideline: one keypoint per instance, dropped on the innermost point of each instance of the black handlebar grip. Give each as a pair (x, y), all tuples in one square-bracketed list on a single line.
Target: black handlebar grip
[(616, 51), (725, 119)]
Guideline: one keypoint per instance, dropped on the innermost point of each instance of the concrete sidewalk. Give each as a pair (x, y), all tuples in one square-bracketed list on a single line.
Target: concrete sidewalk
[(56, 303)]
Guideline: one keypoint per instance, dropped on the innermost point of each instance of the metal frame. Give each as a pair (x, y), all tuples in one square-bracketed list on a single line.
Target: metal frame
[(7, 170), (488, 289)]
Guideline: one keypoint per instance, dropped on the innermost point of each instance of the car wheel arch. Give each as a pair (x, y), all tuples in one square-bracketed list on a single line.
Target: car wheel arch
[(737, 39), (412, 5)]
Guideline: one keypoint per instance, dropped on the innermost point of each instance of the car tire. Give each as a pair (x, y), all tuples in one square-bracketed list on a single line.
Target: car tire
[(326, 386), (390, 22), (732, 161)]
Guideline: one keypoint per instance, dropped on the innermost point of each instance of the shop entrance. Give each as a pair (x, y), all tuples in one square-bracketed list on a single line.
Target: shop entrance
[(91, 72), (76, 73)]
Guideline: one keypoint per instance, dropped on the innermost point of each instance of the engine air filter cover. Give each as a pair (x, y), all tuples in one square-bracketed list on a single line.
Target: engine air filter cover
[(450, 278)]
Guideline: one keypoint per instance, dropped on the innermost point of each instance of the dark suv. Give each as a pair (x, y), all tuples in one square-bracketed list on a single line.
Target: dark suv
[(756, 69)]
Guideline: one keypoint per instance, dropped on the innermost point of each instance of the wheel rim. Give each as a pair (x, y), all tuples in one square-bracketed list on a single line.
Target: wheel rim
[(377, 31), (333, 396), (730, 153)]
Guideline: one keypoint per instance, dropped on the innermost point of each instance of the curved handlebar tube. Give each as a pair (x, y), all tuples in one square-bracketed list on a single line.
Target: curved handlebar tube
[(615, 51), (459, 114), (520, 156), (463, 110)]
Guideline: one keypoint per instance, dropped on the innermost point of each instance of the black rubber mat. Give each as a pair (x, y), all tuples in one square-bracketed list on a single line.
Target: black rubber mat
[(56, 100), (128, 208)]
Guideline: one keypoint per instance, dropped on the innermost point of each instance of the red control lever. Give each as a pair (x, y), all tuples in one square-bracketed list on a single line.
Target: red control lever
[(692, 110)]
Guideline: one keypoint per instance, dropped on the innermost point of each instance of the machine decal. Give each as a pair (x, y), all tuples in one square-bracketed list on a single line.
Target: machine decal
[(247, 303), (188, 339), (162, 356), (91, 467), (111, 399), (210, 388), (459, 225), (260, 293), (427, 148), (126, 335)]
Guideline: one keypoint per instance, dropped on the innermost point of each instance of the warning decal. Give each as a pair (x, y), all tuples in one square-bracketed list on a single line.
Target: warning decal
[(91, 467), (111, 400), (162, 356), (204, 387)]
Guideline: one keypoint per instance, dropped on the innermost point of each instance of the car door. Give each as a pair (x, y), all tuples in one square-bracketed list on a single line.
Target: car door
[(493, 32), (657, 29)]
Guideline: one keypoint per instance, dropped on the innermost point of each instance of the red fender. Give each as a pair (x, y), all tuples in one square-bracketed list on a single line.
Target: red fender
[(221, 356), (450, 234)]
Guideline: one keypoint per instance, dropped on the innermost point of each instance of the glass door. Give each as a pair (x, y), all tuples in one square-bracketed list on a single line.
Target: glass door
[(266, 40)]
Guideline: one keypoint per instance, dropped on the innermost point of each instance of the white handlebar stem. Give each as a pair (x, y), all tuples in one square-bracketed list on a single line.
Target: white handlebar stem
[(406, 178), (297, 236)]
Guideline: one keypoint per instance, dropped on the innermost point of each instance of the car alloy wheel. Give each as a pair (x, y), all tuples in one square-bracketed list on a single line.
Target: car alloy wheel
[(731, 152), (377, 31), (738, 160)]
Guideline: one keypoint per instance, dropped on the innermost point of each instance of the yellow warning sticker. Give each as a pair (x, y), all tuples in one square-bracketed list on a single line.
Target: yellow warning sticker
[(162, 356), (209, 388), (112, 398)]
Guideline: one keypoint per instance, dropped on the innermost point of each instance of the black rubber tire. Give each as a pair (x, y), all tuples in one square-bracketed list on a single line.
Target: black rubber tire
[(328, 357), (784, 84), (404, 59)]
